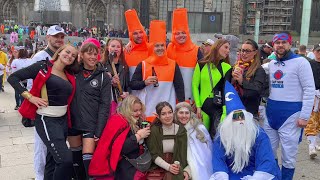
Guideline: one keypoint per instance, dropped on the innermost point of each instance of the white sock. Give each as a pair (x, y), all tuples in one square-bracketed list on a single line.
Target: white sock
[(311, 141)]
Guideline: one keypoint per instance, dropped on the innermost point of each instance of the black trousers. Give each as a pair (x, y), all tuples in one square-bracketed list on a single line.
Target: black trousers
[(1, 82), (53, 132), (214, 112)]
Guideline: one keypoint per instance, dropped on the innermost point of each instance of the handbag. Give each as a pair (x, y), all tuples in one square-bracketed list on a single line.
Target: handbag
[(143, 162), (217, 95), (27, 122)]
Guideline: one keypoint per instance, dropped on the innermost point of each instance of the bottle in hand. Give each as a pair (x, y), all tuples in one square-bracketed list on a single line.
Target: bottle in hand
[(154, 74)]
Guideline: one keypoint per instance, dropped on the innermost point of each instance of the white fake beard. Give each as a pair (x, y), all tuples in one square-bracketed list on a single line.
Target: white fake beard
[(238, 139)]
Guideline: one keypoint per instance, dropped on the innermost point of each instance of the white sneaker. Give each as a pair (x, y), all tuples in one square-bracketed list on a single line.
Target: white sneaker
[(312, 152)]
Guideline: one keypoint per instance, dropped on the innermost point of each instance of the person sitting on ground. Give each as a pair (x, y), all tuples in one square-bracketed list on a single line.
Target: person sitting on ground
[(168, 146), (242, 150), (199, 142), (128, 134)]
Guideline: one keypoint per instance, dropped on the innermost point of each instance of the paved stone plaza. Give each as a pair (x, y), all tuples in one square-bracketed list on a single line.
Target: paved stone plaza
[(16, 146)]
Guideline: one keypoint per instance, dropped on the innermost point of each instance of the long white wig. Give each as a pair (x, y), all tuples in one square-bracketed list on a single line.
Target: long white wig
[(238, 137)]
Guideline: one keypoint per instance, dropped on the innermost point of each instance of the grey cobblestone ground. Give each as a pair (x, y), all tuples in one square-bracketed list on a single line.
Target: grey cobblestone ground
[(16, 146)]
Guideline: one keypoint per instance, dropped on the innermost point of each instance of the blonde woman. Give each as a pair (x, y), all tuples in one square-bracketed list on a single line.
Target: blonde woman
[(199, 142), (121, 137)]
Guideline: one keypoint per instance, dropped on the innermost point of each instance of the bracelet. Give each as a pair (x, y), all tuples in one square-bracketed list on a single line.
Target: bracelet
[(26, 95)]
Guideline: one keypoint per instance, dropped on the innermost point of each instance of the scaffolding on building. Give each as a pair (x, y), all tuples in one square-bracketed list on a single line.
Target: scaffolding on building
[(276, 15)]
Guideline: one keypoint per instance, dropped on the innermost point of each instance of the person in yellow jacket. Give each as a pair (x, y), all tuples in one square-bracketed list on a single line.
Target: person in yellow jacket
[(208, 81), (157, 77), (3, 62)]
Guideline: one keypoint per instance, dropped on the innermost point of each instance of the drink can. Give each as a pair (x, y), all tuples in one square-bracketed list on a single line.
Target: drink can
[(177, 163), (238, 69), (144, 124)]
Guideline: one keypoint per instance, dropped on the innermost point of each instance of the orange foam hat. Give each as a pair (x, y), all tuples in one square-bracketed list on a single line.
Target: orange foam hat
[(180, 20), (133, 22), (180, 23), (157, 34), (157, 31)]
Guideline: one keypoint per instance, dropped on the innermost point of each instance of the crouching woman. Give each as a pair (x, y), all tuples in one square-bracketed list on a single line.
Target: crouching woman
[(120, 142), (168, 146)]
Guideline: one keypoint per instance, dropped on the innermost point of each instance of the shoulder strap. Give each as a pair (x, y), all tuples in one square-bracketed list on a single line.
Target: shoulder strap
[(210, 76), (49, 52), (219, 67)]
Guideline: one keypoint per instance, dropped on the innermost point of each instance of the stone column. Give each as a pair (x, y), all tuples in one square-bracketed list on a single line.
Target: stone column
[(129, 4), (153, 10), (208, 6), (236, 17), (19, 10), (25, 13), (84, 13), (180, 3)]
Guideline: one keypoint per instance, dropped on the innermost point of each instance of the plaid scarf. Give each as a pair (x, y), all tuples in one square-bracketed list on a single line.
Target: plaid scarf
[(244, 66)]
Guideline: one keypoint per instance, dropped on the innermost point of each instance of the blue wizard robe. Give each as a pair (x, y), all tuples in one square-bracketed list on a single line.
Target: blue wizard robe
[(262, 164)]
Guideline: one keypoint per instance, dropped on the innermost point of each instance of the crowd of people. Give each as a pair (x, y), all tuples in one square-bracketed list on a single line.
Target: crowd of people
[(152, 110)]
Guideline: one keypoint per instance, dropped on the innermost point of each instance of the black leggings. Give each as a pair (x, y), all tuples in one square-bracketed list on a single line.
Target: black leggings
[(18, 97), (214, 112), (53, 132)]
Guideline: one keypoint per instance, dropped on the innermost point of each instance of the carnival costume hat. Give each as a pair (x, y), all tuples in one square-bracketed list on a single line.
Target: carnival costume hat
[(180, 23), (134, 23), (232, 99), (157, 34), (96, 43)]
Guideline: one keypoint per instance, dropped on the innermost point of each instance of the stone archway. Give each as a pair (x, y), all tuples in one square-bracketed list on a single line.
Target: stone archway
[(103, 13), (97, 13), (9, 13)]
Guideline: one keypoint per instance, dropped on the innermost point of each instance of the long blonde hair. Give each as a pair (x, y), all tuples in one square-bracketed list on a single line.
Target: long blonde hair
[(194, 121), (126, 109)]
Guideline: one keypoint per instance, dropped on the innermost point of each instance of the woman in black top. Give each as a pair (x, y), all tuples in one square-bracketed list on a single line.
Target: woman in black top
[(114, 53), (249, 77), (50, 106), (90, 106)]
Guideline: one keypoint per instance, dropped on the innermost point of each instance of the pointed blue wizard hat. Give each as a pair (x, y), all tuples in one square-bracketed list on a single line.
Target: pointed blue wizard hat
[(232, 99)]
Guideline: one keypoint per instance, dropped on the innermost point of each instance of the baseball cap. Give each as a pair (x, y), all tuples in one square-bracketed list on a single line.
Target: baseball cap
[(316, 47), (208, 42), (269, 44), (55, 29)]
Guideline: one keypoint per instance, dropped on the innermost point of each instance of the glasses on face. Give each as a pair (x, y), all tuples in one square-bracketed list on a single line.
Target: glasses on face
[(248, 51), (238, 116)]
